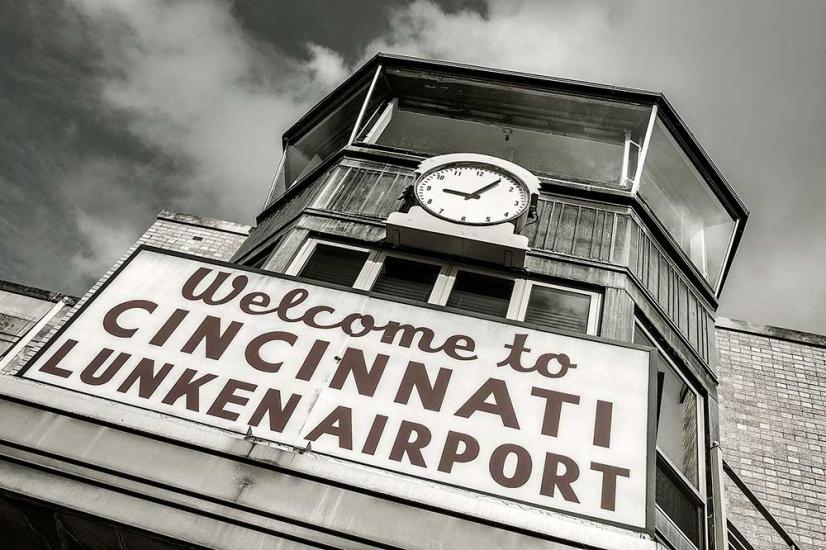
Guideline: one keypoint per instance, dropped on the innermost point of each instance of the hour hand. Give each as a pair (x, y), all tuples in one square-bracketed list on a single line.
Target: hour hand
[(460, 193)]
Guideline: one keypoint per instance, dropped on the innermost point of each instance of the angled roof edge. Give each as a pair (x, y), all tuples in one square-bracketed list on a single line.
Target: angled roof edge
[(683, 134)]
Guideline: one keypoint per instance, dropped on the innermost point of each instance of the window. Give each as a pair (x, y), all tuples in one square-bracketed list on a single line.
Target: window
[(547, 306), (556, 134), (323, 140), (680, 487), (685, 204), (481, 293), (334, 264), (559, 308), (405, 278)]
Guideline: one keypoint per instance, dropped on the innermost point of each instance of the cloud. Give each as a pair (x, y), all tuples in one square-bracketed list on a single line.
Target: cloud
[(547, 37), (179, 106), (209, 103)]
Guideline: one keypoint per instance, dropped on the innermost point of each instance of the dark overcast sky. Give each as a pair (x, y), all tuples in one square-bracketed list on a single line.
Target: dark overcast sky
[(111, 110)]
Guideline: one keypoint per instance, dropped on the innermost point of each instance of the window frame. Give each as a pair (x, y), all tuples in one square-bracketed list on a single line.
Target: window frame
[(450, 281), (375, 125), (308, 248), (700, 491), (594, 308), (375, 262), (439, 295)]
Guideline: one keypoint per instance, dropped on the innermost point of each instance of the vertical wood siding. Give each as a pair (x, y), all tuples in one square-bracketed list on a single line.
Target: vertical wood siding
[(577, 230), (658, 275), (364, 189)]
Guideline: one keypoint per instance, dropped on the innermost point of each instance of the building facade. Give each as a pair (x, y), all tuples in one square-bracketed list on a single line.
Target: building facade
[(355, 370)]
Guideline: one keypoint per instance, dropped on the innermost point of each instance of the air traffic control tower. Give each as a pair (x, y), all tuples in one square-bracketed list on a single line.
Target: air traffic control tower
[(476, 311)]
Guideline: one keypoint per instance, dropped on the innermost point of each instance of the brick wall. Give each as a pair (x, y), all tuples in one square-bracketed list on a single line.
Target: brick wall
[(173, 231), (773, 428)]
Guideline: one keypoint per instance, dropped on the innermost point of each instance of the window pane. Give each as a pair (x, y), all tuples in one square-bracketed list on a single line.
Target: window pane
[(679, 503), (325, 139), (481, 293), (406, 279), (558, 309), (334, 264), (684, 203), (556, 155), (677, 414), (559, 135)]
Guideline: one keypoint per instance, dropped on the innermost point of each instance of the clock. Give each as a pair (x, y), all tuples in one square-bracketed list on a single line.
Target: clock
[(473, 193)]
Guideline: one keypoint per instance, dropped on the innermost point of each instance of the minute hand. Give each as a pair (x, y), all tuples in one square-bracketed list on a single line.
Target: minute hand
[(475, 194)]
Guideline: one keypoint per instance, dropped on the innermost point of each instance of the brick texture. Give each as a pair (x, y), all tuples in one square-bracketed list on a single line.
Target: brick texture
[(773, 432), (173, 231)]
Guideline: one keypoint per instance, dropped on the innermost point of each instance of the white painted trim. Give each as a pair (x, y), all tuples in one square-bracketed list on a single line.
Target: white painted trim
[(626, 151), (719, 497), (382, 122), (644, 151), (364, 106)]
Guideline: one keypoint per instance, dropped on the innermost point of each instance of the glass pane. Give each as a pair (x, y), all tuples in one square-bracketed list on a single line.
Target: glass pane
[(676, 414), (684, 203), (325, 139), (558, 309), (678, 503), (481, 293), (334, 264), (558, 135), (406, 279)]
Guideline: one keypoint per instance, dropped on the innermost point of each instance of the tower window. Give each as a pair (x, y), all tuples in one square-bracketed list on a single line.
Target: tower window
[(481, 293), (334, 264), (407, 279), (559, 308), (680, 493)]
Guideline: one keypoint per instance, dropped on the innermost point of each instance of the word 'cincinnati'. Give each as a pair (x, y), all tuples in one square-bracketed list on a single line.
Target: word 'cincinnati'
[(509, 465), (222, 290)]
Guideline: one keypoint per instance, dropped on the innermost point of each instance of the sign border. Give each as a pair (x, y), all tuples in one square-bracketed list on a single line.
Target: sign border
[(651, 442)]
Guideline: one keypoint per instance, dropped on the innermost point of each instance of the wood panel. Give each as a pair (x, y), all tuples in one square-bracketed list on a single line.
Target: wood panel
[(655, 271), (365, 189), (575, 229)]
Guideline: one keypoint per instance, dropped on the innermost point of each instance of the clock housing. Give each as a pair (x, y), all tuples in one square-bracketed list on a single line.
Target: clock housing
[(473, 193)]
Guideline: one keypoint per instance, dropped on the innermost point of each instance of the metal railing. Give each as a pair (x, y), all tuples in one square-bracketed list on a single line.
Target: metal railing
[(737, 540)]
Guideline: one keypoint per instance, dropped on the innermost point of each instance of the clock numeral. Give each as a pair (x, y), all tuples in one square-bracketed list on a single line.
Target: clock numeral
[(480, 173), (428, 188), (506, 214), (487, 219), (429, 201), (457, 172), (441, 210), (516, 203), (511, 189), (463, 218), (440, 177)]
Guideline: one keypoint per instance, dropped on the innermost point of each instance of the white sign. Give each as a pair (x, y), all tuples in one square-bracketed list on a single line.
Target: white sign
[(495, 407)]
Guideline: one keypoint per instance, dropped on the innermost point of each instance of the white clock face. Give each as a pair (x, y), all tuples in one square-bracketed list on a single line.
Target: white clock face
[(472, 193)]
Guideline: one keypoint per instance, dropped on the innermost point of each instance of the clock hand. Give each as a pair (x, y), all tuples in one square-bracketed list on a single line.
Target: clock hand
[(475, 194), (453, 192)]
